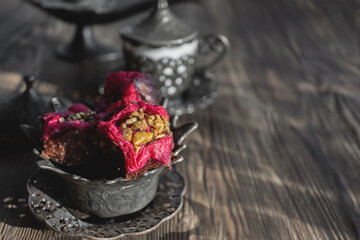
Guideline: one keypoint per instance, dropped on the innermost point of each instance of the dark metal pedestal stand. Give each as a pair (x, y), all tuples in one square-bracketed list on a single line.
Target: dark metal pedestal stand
[(86, 13), (84, 46)]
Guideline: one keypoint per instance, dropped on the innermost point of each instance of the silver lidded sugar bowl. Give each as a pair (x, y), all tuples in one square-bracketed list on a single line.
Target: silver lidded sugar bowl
[(165, 47)]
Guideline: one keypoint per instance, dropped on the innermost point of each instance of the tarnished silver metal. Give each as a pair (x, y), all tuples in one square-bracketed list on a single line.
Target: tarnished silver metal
[(165, 47), (110, 198), (24, 108), (160, 28), (85, 13), (48, 203), (201, 93)]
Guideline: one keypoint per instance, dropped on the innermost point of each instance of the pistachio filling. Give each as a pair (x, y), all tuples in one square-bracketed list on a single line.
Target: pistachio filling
[(141, 128), (89, 117)]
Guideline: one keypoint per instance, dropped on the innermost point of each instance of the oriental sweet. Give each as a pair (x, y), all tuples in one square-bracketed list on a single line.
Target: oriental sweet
[(124, 87), (67, 136), (140, 133), (127, 135)]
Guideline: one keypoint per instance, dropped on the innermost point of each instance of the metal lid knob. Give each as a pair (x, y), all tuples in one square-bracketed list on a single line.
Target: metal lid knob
[(161, 4), (160, 28), (29, 81)]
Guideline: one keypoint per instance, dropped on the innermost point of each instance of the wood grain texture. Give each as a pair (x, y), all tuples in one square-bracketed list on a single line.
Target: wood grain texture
[(277, 156)]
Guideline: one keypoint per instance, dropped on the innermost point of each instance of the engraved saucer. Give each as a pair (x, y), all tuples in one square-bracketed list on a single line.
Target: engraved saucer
[(48, 203), (201, 93)]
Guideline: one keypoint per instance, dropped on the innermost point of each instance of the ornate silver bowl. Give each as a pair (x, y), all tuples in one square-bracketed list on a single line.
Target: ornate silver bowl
[(48, 204), (110, 198)]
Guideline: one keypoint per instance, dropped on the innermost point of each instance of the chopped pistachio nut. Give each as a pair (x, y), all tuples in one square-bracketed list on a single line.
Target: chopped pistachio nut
[(134, 114), (141, 138), (150, 120), (89, 117), (131, 120), (137, 148), (159, 124), (135, 128), (167, 125), (127, 134), (160, 136), (140, 125)]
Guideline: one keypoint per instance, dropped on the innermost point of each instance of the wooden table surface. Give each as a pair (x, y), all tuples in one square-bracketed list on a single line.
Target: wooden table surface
[(275, 157)]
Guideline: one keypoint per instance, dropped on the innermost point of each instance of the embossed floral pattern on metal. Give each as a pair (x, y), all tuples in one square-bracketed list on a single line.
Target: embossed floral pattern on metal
[(48, 204)]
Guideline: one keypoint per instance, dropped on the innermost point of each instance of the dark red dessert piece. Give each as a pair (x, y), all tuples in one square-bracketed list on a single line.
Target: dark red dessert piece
[(140, 133), (124, 87), (68, 136)]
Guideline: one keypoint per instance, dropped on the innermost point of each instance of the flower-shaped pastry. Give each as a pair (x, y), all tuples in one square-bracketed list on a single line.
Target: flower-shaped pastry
[(140, 133), (124, 87)]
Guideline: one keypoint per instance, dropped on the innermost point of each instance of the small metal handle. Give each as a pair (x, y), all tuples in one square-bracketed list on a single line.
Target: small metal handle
[(164, 101), (177, 159), (161, 4), (180, 133), (46, 164), (213, 43)]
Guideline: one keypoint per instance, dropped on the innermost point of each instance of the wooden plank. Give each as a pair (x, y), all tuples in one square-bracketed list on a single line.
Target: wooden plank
[(275, 157)]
